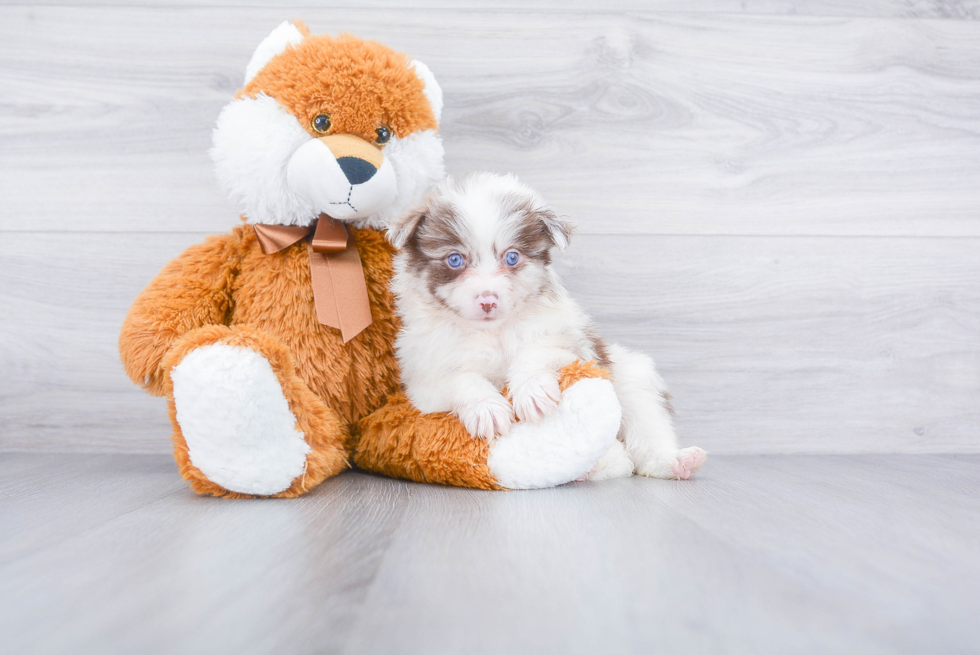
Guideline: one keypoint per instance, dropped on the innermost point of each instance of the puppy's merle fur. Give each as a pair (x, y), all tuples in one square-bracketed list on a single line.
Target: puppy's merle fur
[(482, 309)]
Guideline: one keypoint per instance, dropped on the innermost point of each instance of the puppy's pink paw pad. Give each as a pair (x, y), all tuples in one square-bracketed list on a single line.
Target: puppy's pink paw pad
[(688, 461)]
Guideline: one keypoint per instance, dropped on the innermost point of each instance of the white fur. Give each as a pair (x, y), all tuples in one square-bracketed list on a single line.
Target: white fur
[(615, 463), (563, 446), (456, 356), (281, 38), (314, 174), (432, 89), (254, 140), (647, 431), (278, 173), (418, 162), (237, 424)]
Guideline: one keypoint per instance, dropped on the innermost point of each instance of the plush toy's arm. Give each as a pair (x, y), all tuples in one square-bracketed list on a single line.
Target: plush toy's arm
[(191, 291)]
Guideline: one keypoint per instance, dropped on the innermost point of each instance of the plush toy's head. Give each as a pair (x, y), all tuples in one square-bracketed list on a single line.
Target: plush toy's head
[(339, 126)]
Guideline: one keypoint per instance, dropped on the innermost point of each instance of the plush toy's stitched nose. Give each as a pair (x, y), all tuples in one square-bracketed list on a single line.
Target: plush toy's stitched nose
[(357, 170)]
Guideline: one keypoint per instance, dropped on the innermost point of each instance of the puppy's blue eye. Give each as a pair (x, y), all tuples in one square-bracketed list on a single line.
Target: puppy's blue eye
[(511, 258), (455, 260)]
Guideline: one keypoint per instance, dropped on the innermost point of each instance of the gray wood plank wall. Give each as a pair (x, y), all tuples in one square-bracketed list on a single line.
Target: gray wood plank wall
[(780, 201)]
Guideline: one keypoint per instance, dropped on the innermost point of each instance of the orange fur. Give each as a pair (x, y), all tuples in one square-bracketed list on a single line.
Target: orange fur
[(191, 291), (399, 441), (359, 84), (580, 371), (325, 432), (274, 292), (227, 291), (301, 27), (228, 280)]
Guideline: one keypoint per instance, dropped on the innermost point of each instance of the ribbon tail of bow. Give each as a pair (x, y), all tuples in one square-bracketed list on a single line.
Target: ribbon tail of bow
[(340, 291), (339, 288)]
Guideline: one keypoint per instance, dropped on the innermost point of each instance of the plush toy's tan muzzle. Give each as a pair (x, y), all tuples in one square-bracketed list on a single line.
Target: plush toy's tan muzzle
[(343, 176), (358, 159)]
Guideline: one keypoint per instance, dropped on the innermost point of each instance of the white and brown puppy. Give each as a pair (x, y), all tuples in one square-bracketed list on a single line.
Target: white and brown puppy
[(483, 309)]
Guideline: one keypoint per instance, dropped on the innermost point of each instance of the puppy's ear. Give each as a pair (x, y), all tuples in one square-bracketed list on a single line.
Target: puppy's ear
[(401, 229), (559, 228)]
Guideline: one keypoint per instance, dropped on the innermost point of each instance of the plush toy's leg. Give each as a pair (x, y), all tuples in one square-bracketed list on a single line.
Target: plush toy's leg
[(399, 441), (244, 423), (648, 431)]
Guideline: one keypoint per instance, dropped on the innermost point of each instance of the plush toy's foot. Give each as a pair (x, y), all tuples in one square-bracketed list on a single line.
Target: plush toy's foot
[(564, 446), (244, 423), (616, 463), (680, 465)]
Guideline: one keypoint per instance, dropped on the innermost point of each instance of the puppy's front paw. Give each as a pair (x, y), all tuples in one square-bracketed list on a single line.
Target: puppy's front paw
[(487, 417), (536, 396)]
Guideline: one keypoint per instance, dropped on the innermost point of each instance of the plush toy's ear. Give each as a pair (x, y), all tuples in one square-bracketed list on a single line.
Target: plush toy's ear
[(402, 228), (558, 227), (432, 89), (282, 37)]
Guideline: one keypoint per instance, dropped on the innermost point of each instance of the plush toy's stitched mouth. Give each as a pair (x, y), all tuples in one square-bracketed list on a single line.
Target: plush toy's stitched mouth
[(350, 190), (347, 186)]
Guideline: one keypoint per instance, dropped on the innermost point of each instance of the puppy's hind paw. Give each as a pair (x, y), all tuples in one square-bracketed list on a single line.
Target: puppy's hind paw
[(616, 463), (679, 466), (487, 417)]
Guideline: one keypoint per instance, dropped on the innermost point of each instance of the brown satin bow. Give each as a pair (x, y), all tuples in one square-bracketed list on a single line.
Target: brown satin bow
[(339, 290)]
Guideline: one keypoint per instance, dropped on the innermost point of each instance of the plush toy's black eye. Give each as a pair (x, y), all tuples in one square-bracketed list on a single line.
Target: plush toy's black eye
[(321, 123), (384, 134)]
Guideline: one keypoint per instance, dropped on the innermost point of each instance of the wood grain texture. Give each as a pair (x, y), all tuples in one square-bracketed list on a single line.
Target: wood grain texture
[(650, 123), (834, 345), (727, 172), (869, 554), (951, 9), (769, 344)]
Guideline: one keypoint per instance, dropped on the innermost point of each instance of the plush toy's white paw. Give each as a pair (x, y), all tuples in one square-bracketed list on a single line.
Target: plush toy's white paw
[(536, 396), (681, 465), (237, 424), (486, 417), (563, 446), (616, 463)]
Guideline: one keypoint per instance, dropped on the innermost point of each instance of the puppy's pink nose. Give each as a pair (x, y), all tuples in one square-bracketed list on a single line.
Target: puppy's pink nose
[(488, 301)]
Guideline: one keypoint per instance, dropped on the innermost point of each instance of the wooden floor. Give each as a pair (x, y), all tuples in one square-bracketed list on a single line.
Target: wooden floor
[(763, 554), (778, 200)]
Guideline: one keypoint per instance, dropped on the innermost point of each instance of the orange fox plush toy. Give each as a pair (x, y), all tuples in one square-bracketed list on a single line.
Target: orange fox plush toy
[(274, 343)]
